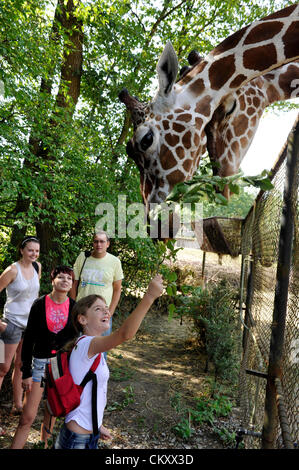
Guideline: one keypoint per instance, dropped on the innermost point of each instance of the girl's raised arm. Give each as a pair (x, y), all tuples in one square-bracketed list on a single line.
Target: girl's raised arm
[(131, 325)]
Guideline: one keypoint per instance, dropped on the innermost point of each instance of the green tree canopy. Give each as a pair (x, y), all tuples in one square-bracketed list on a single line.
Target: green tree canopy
[(62, 126)]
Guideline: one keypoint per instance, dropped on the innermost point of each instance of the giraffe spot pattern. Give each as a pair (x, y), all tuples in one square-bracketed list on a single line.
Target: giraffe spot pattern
[(285, 79), (172, 139), (180, 152), (166, 158), (198, 123), (193, 72), (178, 127), (242, 103), (256, 101), (283, 13), (197, 87), (235, 148), (175, 177), (187, 164), (272, 94), (230, 42), (196, 139), (259, 33), (259, 58), (203, 107), (237, 81), (221, 70), (240, 124), (184, 117), (253, 121), (186, 140), (290, 39), (243, 142)]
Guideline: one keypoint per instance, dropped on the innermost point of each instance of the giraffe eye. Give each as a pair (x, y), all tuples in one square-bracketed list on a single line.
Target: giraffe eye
[(147, 140)]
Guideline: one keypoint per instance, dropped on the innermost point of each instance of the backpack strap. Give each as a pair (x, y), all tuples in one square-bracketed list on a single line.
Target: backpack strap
[(35, 265), (92, 376), (87, 254)]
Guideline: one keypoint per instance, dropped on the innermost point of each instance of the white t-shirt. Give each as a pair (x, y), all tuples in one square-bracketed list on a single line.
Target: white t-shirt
[(79, 365)]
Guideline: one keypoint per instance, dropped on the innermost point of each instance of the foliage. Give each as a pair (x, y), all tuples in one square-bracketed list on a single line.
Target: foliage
[(206, 188), (60, 157), (204, 410), (142, 260), (127, 400), (214, 314)]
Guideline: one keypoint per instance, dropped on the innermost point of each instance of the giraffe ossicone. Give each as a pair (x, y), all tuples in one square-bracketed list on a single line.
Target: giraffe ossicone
[(216, 104)]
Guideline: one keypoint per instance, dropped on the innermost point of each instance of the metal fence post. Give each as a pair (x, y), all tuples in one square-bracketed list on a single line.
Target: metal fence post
[(281, 292)]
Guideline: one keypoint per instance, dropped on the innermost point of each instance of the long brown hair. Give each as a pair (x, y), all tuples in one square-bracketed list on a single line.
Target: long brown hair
[(80, 308)]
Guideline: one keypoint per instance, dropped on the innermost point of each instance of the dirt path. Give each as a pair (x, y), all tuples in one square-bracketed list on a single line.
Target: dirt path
[(161, 376)]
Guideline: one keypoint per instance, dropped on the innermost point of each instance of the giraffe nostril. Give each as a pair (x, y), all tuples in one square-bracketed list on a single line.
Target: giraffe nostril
[(147, 140)]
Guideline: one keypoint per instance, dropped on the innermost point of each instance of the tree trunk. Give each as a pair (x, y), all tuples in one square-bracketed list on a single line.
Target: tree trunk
[(66, 100), (23, 203)]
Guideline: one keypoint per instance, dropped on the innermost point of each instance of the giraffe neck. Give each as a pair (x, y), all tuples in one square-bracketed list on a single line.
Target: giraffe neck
[(230, 134), (254, 50)]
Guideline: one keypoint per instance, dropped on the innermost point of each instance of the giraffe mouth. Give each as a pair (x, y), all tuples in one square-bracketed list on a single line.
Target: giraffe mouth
[(132, 153)]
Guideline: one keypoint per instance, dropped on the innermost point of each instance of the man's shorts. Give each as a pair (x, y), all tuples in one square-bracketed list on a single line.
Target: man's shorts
[(12, 333)]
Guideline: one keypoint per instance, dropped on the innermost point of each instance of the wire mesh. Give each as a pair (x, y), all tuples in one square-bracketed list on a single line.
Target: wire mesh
[(259, 248)]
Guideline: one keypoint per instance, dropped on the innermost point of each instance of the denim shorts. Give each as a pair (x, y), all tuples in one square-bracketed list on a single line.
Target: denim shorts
[(67, 439), (38, 369), (12, 333)]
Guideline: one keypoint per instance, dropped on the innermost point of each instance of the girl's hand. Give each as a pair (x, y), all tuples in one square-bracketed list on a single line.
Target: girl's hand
[(3, 326), (105, 434), (155, 287), (27, 384)]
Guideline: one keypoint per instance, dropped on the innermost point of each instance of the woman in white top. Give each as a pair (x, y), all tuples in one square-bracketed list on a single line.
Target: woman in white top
[(21, 282), (91, 316)]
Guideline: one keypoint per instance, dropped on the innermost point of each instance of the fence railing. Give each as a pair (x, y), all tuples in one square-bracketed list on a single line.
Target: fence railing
[(269, 385)]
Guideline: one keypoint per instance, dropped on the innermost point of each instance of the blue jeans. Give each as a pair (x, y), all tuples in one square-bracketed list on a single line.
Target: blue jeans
[(38, 369), (67, 439), (107, 333)]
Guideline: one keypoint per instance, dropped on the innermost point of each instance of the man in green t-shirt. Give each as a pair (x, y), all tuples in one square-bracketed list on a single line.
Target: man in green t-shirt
[(101, 274)]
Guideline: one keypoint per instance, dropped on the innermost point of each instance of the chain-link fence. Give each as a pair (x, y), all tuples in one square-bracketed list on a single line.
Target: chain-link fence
[(269, 386)]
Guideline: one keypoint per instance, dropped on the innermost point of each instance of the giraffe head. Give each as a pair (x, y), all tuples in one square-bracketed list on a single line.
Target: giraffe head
[(167, 143)]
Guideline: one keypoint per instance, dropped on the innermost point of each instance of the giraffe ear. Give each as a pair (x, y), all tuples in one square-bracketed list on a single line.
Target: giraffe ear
[(167, 69)]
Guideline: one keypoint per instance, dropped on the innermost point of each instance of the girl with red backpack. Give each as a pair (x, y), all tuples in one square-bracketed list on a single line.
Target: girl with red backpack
[(91, 317)]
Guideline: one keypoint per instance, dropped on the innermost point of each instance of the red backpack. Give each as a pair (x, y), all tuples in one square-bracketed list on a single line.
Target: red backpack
[(61, 393)]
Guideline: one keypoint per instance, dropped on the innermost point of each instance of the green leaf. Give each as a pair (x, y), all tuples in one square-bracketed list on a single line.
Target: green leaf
[(171, 310)]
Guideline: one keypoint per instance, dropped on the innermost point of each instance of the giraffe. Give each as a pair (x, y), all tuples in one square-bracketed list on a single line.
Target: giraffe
[(169, 132), (234, 123)]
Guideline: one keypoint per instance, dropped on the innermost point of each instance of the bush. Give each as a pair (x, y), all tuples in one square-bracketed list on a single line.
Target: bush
[(213, 311)]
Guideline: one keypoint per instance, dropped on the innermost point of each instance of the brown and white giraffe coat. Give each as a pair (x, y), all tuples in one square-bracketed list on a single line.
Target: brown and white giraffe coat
[(234, 123), (171, 133)]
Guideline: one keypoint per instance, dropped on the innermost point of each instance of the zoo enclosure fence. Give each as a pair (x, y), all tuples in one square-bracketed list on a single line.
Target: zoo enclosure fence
[(268, 384)]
